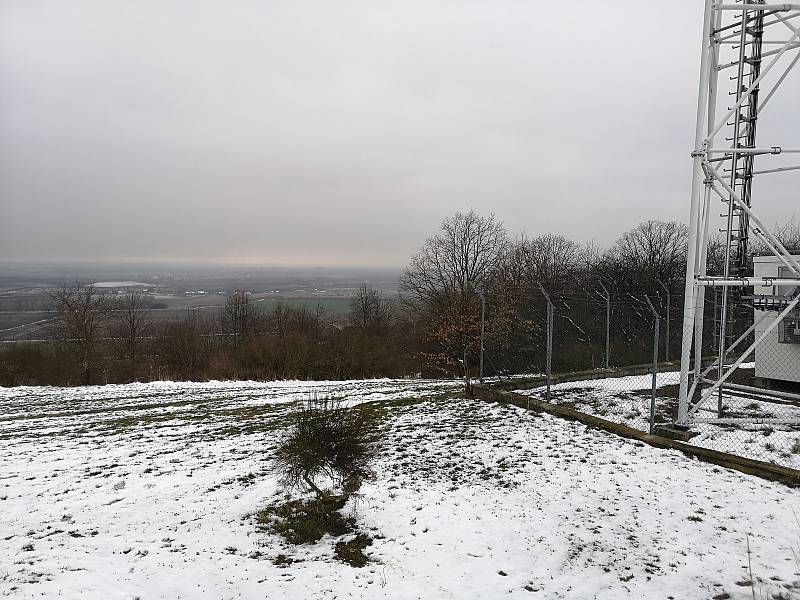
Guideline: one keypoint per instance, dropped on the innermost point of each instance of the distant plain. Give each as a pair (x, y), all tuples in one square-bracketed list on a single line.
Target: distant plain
[(174, 289)]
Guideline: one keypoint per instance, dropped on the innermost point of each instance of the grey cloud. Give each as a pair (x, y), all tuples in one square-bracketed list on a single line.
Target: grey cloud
[(341, 133)]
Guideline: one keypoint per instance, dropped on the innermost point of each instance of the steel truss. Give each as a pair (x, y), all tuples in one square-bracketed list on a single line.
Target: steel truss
[(765, 42)]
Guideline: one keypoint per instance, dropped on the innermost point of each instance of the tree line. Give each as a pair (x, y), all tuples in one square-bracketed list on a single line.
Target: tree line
[(432, 329), (97, 338), (472, 257)]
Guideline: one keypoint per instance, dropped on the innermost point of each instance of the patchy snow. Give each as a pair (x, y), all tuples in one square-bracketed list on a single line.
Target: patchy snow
[(626, 400), (150, 490)]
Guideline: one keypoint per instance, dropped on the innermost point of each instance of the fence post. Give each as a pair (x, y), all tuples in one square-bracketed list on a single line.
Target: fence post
[(657, 327), (608, 326), (482, 296), (549, 344), (483, 320), (666, 341)]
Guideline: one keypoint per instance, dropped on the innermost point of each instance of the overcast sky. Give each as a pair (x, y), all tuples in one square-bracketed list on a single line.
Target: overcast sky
[(341, 133)]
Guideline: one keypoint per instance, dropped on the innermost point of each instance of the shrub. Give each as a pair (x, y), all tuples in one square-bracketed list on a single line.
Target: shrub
[(327, 440)]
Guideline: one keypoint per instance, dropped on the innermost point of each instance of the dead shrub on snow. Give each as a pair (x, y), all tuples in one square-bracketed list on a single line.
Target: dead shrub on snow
[(327, 441)]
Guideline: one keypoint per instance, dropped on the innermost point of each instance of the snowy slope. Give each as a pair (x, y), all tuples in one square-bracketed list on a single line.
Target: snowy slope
[(149, 491)]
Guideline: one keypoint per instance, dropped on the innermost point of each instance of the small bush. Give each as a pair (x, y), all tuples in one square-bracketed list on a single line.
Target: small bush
[(326, 440)]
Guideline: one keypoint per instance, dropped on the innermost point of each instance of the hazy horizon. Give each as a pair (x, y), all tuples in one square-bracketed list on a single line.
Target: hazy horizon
[(192, 264)]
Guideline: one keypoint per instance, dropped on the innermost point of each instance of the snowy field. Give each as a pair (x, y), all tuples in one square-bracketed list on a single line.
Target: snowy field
[(150, 491), (626, 400)]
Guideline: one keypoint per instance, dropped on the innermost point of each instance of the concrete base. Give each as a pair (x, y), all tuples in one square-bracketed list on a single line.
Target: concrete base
[(762, 383), (675, 433), (777, 384)]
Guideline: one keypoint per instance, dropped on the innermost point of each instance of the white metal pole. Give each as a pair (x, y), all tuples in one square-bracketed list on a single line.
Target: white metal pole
[(759, 150), (747, 282), (701, 271), (779, 7), (777, 169), (690, 295), (706, 207)]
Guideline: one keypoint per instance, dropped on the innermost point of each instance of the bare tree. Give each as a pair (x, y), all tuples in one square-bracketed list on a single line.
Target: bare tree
[(465, 253), (715, 257), (185, 345), (369, 309), (590, 256), (132, 323), (652, 251), (440, 284), (298, 333), (549, 259), (81, 314), (239, 316), (787, 233)]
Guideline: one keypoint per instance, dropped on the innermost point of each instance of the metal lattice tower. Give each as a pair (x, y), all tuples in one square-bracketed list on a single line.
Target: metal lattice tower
[(748, 51)]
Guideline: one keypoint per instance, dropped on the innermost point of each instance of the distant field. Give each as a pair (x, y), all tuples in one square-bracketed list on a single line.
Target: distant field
[(338, 307), (12, 323), (177, 306), (25, 299)]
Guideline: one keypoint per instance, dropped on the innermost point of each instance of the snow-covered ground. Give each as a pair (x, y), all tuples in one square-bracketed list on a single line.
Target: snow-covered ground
[(150, 491), (627, 400)]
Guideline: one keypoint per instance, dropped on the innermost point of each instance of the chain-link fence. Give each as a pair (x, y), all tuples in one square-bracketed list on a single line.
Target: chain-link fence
[(615, 354), (751, 406)]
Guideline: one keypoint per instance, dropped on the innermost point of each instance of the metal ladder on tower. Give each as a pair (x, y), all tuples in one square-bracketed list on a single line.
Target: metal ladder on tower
[(740, 171), (744, 124)]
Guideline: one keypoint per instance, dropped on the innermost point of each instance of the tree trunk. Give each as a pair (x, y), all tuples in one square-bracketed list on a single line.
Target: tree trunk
[(320, 494)]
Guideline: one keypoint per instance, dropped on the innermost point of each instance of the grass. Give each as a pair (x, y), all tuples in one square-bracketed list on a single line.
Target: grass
[(352, 552), (221, 421), (308, 521), (694, 518)]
